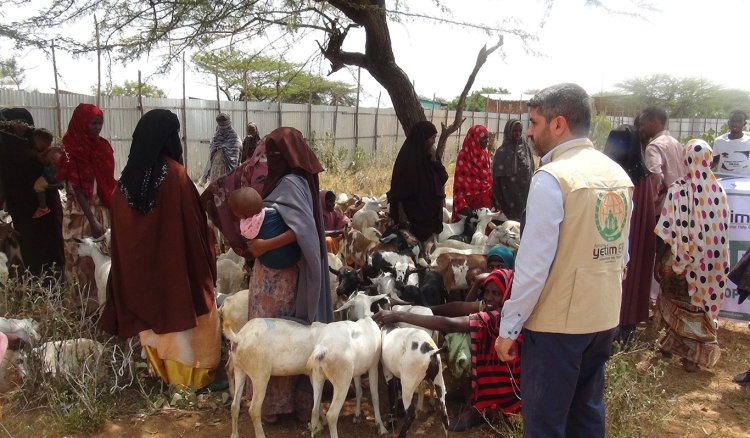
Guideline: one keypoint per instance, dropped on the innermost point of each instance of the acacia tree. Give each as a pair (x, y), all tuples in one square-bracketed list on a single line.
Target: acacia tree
[(11, 72), (131, 88), (261, 78), (133, 28)]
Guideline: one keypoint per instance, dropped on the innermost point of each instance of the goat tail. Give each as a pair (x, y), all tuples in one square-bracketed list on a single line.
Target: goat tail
[(319, 353), (230, 334)]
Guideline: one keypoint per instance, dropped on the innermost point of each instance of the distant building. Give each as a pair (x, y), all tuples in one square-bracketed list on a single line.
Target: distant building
[(507, 103), (430, 104)]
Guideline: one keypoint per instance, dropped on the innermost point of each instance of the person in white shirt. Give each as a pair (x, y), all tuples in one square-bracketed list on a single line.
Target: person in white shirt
[(732, 149), (567, 290)]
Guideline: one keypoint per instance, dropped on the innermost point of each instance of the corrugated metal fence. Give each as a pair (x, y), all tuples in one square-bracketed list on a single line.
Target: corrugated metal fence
[(376, 129)]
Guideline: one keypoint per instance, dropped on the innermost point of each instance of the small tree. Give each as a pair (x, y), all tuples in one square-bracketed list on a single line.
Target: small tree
[(11, 73), (476, 101), (260, 78), (130, 88)]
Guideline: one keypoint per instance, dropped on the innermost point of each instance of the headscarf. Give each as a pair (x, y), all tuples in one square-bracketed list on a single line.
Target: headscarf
[(513, 155), (503, 278), (418, 183), (694, 223), (624, 148), (88, 159), (250, 141), (156, 135), (503, 253), (17, 114), (226, 142), (288, 152), (473, 164)]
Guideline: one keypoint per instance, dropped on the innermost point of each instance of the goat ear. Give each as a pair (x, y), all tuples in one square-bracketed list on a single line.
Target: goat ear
[(345, 306), (396, 300)]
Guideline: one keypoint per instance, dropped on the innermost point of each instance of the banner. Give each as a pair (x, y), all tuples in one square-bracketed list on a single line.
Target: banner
[(738, 193)]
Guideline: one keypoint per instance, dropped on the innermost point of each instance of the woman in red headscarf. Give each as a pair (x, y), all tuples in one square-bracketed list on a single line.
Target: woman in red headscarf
[(89, 168), (472, 183)]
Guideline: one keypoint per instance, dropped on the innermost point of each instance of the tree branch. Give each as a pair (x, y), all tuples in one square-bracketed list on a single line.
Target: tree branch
[(446, 131)]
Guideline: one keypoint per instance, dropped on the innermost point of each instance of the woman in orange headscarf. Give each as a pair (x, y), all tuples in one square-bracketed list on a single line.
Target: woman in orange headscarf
[(89, 167)]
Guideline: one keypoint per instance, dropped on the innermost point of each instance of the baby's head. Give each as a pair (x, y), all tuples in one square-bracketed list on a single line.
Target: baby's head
[(53, 156), (245, 202), (41, 139)]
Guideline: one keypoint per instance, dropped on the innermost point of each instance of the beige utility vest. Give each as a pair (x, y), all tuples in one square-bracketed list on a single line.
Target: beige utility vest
[(583, 292)]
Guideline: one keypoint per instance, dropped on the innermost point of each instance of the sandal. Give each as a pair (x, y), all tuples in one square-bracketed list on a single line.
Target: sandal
[(468, 419), (742, 378), (689, 366)]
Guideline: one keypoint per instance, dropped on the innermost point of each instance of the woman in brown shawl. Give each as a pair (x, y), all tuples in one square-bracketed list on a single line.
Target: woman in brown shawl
[(40, 239), (623, 147), (512, 167), (302, 291), (161, 284), (418, 181)]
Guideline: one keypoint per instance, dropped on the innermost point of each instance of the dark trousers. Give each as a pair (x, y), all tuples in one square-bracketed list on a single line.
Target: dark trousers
[(562, 389)]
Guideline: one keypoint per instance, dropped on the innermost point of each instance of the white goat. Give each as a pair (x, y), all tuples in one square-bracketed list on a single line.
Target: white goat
[(233, 310), (411, 355), (91, 247), (230, 275), (25, 329), (70, 357), (276, 347), (508, 234), (365, 218)]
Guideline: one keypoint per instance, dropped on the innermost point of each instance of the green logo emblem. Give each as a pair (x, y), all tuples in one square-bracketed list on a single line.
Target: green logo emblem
[(610, 214)]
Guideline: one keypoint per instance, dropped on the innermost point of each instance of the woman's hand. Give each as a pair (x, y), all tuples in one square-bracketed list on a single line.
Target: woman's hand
[(257, 247)]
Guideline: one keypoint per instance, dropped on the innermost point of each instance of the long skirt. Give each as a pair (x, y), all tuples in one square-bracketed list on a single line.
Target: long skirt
[(188, 357), (690, 333), (272, 294), (474, 202)]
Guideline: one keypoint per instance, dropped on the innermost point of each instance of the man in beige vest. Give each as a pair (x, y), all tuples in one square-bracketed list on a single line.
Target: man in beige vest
[(567, 289)]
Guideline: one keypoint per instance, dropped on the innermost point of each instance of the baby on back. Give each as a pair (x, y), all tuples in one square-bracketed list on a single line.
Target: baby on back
[(257, 222)]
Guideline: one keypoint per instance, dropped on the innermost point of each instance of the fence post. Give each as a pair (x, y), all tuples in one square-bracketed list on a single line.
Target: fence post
[(58, 110), (356, 111), (185, 152), (335, 122), (140, 94), (309, 119), (375, 131)]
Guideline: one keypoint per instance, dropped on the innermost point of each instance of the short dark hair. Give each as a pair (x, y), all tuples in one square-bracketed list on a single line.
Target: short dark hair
[(569, 101), (738, 112), (655, 113)]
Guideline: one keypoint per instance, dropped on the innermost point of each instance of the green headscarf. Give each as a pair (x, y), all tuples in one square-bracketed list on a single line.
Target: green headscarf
[(505, 254)]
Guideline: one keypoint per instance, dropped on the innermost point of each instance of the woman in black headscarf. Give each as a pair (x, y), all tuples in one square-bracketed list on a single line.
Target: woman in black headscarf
[(623, 146), (512, 168), (40, 239), (161, 284), (418, 181)]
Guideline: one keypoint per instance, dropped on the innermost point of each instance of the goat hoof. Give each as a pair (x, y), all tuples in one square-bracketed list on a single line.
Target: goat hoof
[(357, 419)]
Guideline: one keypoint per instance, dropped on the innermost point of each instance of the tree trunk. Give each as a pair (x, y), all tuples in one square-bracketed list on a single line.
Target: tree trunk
[(378, 58)]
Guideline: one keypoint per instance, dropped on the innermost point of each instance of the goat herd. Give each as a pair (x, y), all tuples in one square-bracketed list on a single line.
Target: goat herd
[(378, 266)]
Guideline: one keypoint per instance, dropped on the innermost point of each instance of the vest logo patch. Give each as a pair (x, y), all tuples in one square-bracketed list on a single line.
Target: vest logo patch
[(610, 214)]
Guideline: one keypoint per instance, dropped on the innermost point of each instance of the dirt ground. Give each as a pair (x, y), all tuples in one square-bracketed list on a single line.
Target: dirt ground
[(702, 404)]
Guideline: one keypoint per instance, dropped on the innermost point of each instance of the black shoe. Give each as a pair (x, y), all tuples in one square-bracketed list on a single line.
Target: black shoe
[(742, 378), (466, 421)]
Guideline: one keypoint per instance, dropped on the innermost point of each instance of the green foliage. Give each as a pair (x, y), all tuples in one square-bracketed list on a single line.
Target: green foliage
[(130, 88), (475, 101), (600, 128), (709, 136), (260, 78), (11, 73), (682, 97)]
